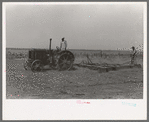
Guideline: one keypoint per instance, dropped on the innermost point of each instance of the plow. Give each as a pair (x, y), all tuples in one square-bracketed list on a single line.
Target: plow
[(104, 67)]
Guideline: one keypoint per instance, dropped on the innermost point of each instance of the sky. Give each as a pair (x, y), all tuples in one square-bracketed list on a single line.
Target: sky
[(85, 26)]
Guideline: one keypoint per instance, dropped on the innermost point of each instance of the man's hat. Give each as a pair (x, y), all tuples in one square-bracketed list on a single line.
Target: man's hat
[(63, 38), (133, 47)]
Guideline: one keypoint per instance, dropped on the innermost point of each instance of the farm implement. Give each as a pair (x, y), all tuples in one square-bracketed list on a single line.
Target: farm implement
[(104, 67)]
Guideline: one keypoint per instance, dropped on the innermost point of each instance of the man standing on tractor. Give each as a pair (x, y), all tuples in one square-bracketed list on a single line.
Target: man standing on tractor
[(63, 44)]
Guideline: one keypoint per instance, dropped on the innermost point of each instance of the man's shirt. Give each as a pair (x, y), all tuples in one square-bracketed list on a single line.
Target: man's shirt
[(63, 45)]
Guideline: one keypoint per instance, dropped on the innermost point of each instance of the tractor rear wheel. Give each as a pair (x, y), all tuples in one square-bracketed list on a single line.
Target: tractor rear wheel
[(37, 66), (65, 62)]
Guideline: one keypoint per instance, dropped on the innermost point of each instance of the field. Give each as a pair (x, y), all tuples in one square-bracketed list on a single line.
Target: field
[(78, 83)]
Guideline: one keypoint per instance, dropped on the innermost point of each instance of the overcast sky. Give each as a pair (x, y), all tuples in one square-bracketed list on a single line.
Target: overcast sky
[(84, 26)]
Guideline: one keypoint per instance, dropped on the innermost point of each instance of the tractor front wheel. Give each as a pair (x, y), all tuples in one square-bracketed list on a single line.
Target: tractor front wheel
[(37, 66), (26, 65)]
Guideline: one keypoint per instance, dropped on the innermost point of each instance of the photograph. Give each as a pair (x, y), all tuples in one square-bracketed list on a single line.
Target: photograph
[(75, 51)]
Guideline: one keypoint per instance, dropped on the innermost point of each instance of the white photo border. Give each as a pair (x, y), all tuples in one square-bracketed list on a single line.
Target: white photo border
[(68, 109)]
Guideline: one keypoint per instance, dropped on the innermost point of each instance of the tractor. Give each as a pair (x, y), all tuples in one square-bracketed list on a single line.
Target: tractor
[(56, 59)]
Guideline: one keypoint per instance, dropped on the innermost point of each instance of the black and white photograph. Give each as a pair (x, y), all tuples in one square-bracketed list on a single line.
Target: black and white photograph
[(79, 52)]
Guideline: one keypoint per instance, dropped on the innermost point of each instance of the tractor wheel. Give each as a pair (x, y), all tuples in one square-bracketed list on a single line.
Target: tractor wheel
[(37, 66), (26, 65), (65, 62)]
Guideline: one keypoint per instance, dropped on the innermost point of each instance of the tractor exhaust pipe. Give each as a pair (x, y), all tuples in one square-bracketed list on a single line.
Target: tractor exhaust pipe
[(50, 47)]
